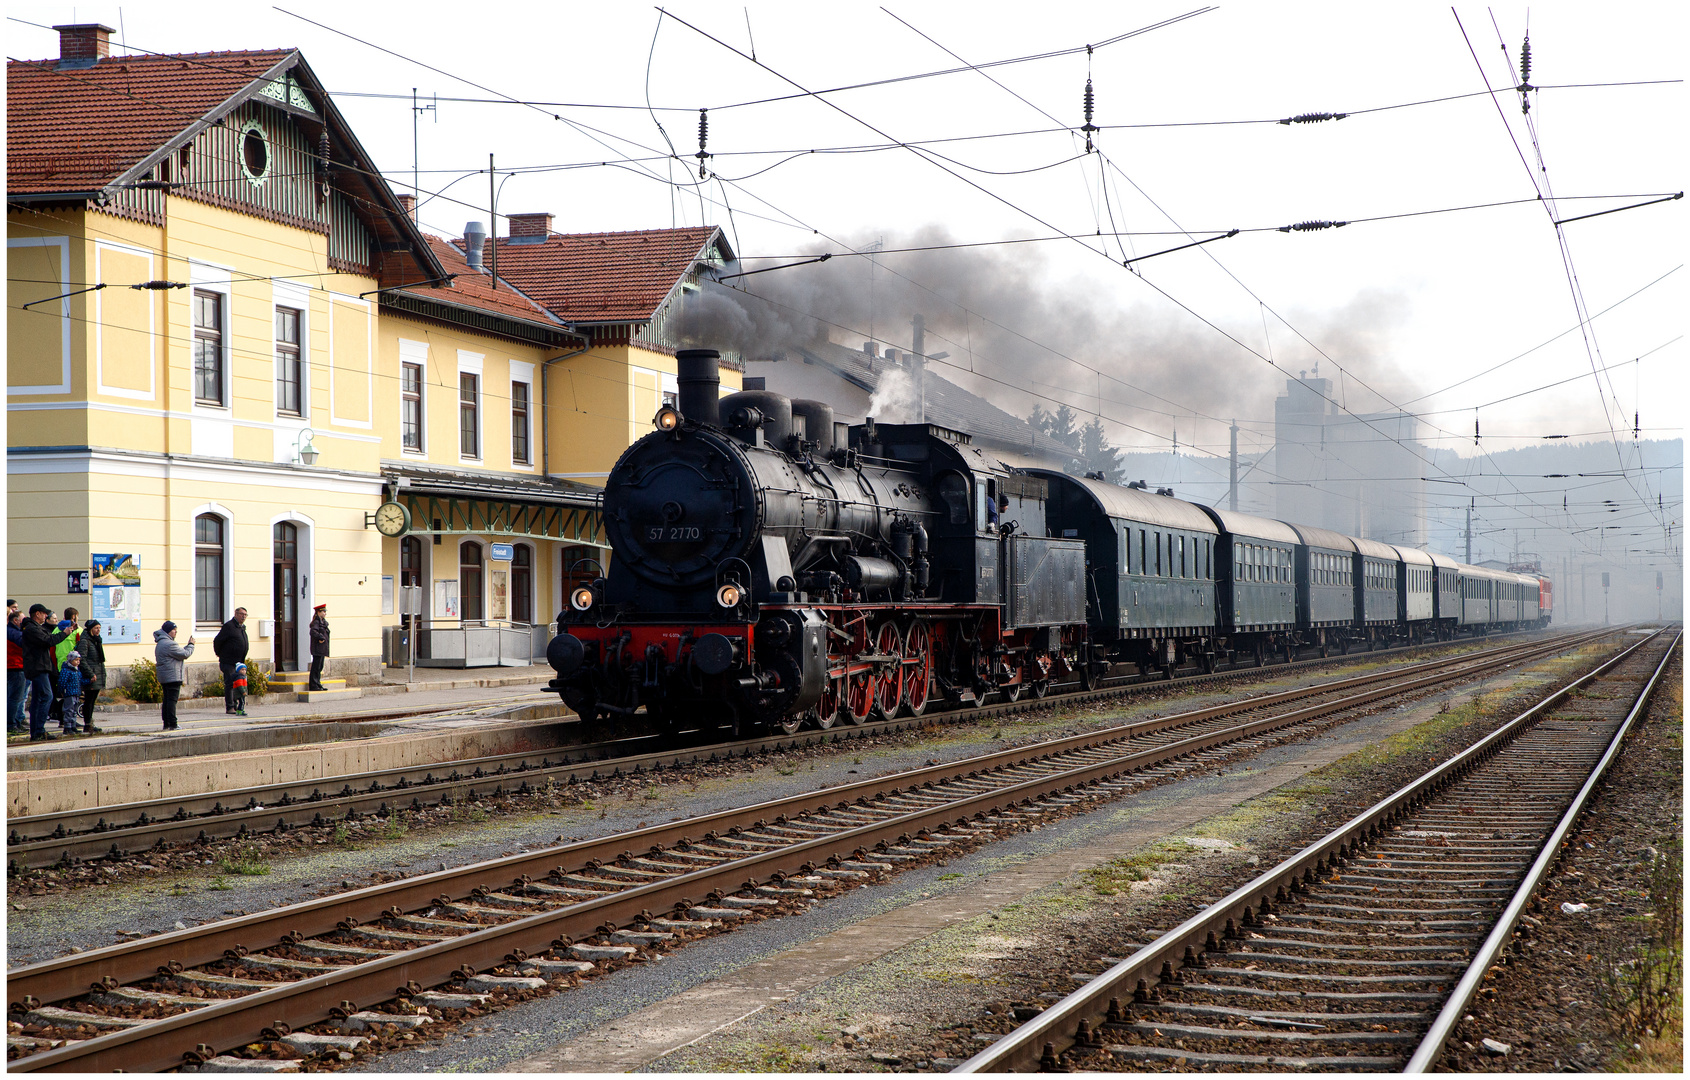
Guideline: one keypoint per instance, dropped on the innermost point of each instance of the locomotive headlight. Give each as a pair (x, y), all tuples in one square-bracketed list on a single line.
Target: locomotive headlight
[(668, 418), (729, 595), (582, 598)]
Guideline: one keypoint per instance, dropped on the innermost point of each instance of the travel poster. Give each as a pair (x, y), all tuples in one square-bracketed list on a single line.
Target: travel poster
[(116, 599)]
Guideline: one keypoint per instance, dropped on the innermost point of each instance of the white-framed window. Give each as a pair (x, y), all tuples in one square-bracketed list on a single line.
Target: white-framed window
[(469, 405), (211, 563), (413, 396), (210, 344), (469, 414), (522, 425), (411, 407), (290, 362)]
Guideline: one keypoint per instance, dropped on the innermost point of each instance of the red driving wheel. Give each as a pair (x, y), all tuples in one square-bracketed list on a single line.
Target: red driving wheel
[(918, 668), (889, 680)]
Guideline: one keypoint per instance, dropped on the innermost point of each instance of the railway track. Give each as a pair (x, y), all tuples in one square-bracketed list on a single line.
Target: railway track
[(1360, 952), (72, 836), (513, 925)]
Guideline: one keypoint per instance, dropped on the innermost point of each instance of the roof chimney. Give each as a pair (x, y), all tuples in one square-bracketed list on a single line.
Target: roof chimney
[(475, 238), (408, 203), (83, 44), (870, 348), (529, 228)]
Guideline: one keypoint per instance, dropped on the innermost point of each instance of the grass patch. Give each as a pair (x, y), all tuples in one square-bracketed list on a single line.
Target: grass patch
[(1642, 974), (396, 827), (244, 860), (220, 884), (1117, 875)]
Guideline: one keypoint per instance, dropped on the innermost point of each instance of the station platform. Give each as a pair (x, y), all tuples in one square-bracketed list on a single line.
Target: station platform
[(133, 758)]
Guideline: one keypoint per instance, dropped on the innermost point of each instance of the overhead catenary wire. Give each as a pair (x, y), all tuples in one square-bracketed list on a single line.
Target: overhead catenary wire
[(794, 95)]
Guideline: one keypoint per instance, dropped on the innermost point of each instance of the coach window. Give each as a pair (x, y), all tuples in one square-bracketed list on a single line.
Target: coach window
[(1158, 554), (1182, 572), (1143, 567)]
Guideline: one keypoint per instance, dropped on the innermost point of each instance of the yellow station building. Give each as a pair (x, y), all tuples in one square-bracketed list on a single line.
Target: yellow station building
[(229, 346)]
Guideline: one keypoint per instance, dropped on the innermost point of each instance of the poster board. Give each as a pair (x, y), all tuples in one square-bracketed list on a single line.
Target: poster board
[(445, 598), (387, 594), (116, 599), (500, 578)]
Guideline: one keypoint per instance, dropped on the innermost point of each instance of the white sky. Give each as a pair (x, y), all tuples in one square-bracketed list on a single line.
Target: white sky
[(1423, 301)]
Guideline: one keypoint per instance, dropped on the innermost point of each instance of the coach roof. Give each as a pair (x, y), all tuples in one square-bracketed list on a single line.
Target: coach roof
[(1249, 525), (1135, 505), (1323, 538)]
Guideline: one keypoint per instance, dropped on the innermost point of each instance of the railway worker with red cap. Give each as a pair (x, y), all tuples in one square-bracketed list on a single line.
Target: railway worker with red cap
[(319, 646)]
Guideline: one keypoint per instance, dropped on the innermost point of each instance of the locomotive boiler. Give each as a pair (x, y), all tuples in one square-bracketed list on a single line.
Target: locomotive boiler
[(765, 570)]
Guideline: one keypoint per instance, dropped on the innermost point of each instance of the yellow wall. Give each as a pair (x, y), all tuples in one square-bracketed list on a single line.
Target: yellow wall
[(603, 401), (438, 346), (119, 504), (147, 458)]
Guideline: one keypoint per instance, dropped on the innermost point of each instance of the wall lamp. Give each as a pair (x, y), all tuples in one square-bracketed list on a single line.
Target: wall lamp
[(303, 450)]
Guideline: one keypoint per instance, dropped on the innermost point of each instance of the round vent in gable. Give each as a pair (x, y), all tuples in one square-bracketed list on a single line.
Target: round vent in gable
[(255, 153)]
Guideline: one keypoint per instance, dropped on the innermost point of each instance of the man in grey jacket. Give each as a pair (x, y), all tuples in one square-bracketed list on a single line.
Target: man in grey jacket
[(168, 658)]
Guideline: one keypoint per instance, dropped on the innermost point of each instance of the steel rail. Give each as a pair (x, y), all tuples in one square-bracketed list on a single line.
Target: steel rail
[(1039, 1042), (60, 979), (280, 807), (1432, 1045), (56, 979)]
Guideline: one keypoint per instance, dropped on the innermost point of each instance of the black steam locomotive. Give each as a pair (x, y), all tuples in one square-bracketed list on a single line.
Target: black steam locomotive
[(772, 568)]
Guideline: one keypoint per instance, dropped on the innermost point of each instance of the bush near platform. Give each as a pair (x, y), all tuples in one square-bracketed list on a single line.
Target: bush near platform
[(214, 688), (143, 682)]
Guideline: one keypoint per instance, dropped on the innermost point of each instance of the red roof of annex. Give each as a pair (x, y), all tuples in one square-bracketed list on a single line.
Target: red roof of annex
[(603, 277)]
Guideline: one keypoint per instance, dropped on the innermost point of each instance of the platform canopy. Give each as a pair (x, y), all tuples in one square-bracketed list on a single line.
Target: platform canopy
[(448, 503)]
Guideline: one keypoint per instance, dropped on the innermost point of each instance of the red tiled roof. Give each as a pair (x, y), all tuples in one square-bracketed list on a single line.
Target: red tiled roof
[(471, 288), (603, 277), (82, 128)]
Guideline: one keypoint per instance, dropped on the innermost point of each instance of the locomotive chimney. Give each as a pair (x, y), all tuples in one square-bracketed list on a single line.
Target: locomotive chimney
[(698, 385)]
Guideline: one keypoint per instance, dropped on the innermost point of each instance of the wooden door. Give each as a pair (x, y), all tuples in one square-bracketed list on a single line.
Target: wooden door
[(285, 593)]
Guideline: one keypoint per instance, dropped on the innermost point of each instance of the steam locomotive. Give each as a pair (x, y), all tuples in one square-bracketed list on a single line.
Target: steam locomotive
[(771, 568)]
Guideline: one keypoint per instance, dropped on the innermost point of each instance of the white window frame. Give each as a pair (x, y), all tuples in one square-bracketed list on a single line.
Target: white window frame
[(98, 330), (470, 364), (65, 320), (413, 352), (209, 277)]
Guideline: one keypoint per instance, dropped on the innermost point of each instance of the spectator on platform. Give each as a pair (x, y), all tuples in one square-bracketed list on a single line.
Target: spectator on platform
[(70, 693), (319, 646), (230, 645), (17, 687), (38, 643), (168, 659), (92, 646), (63, 649), (238, 686)]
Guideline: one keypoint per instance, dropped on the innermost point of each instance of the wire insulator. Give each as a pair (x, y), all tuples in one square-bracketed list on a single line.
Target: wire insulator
[(1313, 117), (1526, 60), (703, 138), (1089, 127), (1311, 226)]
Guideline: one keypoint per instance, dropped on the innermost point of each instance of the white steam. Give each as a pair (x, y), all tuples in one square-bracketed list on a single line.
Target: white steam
[(897, 399)]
